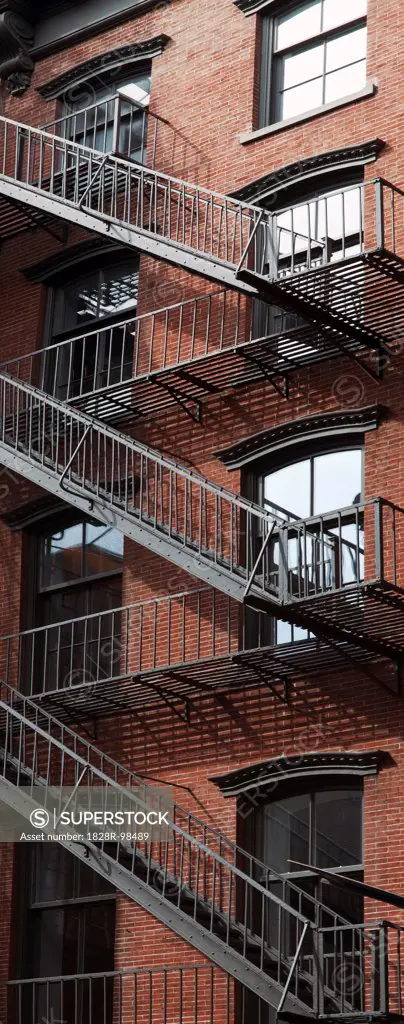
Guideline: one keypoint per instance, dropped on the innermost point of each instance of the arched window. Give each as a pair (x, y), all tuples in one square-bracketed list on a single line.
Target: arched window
[(307, 486)]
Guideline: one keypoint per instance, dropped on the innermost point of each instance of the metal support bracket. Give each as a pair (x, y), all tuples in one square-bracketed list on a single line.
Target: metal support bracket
[(265, 373), (282, 681), (183, 716), (182, 401)]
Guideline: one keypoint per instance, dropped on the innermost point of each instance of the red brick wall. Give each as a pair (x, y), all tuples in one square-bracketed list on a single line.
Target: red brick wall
[(203, 83)]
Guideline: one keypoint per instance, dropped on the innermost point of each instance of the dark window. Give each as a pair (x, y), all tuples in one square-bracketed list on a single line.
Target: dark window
[(320, 826), (109, 114), (69, 929), (107, 296), (78, 574), (313, 53)]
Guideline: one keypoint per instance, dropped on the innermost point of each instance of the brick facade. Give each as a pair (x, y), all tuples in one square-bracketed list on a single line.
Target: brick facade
[(203, 85)]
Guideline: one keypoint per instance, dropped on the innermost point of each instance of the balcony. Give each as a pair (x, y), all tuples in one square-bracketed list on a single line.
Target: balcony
[(340, 257), (362, 973), (178, 355), (172, 651), (341, 575)]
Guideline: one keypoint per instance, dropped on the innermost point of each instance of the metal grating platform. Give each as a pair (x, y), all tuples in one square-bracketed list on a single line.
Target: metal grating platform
[(366, 290), (369, 614), (274, 667)]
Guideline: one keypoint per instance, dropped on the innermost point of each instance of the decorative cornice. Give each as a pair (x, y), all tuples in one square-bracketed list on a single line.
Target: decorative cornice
[(68, 258), (16, 39), (106, 62), (267, 775), (296, 432), (347, 156)]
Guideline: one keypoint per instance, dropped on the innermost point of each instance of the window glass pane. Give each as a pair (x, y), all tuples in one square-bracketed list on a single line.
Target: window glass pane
[(118, 290), (298, 25), (289, 488), (61, 556), (340, 214), (53, 874), (338, 831), (98, 946), (283, 833), (103, 549), (94, 296), (337, 480), (336, 13), (301, 98), (302, 67), (346, 49), (345, 82)]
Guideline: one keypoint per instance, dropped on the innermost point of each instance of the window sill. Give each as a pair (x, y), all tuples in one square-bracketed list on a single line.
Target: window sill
[(368, 90)]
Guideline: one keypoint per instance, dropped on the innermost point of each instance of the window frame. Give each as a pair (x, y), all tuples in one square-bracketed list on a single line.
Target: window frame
[(268, 92), (312, 787)]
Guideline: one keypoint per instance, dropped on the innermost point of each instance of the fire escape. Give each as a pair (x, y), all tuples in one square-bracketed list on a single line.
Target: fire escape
[(337, 575)]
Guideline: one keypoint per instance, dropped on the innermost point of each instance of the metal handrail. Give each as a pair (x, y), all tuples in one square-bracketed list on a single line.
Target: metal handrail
[(210, 880), (151, 493), (187, 986)]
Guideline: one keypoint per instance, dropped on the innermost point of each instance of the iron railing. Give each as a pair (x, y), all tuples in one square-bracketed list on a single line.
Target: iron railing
[(200, 525), (364, 970), (327, 553), (116, 125), (184, 874), (118, 363), (336, 226), (214, 235), (361, 965), (149, 635), (185, 822), (159, 995), (146, 202)]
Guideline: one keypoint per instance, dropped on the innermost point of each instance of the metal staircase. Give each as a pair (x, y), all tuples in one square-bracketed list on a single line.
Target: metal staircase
[(315, 572), (206, 889), (192, 883), (216, 236), (178, 355), (180, 515)]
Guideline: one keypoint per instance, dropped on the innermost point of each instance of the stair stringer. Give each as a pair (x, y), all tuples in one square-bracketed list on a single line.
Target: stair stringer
[(172, 917)]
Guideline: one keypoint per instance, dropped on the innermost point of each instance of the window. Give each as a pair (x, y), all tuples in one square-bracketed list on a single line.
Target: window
[(78, 573), (313, 53), (319, 826), (309, 487), (69, 929), (313, 222), (110, 114), (105, 295)]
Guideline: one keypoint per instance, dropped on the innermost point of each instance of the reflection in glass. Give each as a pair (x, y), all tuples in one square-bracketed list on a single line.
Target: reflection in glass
[(329, 67), (327, 556), (298, 25), (95, 126)]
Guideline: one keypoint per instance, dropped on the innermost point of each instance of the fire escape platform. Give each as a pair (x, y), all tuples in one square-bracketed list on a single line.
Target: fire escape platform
[(368, 613), (362, 293), (187, 383), (274, 668)]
